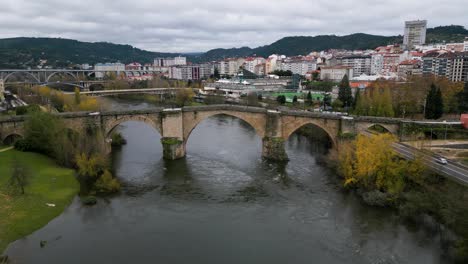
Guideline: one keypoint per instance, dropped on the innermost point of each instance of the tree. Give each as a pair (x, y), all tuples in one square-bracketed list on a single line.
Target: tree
[(295, 99), (357, 97), (252, 99), (344, 93), (77, 96), (337, 104), (327, 100), (309, 98), (216, 74), (41, 132), (434, 103), (281, 99), (463, 99), (371, 163), (184, 96), (19, 178)]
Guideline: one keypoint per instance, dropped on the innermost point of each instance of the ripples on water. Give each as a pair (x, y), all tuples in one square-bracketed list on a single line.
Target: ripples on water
[(224, 204)]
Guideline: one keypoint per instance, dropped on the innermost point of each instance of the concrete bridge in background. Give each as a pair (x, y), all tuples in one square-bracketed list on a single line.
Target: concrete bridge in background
[(176, 125), (156, 91)]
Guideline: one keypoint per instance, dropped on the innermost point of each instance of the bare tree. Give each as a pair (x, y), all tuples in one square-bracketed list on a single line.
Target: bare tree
[(19, 178)]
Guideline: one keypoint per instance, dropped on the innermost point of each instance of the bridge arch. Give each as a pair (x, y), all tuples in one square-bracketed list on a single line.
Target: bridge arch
[(27, 73), (110, 125), (64, 72), (386, 128), (291, 126), (11, 138), (192, 119)]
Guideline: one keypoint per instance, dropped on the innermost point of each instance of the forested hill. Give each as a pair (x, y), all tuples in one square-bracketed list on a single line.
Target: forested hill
[(302, 45), (27, 52)]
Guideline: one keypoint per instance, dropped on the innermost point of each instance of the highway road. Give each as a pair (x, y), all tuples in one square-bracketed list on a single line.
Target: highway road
[(451, 169)]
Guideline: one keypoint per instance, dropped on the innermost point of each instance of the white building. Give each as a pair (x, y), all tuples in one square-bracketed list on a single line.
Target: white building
[(377, 63), (300, 67), (361, 64), (206, 70), (415, 33), (185, 72), (335, 73), (168, 62), (103, 68), (465, 44), (251, 62)]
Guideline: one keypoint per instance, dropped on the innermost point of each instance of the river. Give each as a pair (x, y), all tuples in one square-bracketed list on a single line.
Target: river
[(224, 204)]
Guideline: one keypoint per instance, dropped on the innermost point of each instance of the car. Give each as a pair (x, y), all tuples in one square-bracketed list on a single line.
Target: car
[(94, 113), (442, 161)]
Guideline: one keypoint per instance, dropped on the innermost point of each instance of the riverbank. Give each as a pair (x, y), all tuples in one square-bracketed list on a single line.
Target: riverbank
[(20, 215)]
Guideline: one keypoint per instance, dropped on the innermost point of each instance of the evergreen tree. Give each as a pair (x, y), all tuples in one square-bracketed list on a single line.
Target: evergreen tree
[(434, 103), (438, 104), (344, 93), (309, 98), (295, 99), (463, 100)]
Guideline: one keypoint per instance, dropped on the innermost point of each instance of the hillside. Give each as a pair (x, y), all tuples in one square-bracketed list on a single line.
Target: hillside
[(26, 52), (446, 34)]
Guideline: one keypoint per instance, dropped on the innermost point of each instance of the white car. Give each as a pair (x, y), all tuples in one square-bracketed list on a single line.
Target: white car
[(442, 161)]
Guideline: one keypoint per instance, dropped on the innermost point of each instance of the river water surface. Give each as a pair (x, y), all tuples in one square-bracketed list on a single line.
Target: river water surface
[(223, 204)]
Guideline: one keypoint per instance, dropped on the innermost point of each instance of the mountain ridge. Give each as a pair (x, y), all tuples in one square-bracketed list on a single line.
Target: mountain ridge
[(23, 52)]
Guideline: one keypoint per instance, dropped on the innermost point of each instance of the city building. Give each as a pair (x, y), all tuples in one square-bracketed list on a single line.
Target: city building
[(409, 68), (251, 62), (299, 65), (335, 73), (465, 44), (206, 70), (377, 63), (185, 72), (168, 62), (134, 66), (361, 64), (458, 72), (452, 65), (415, 33), (105, 68)]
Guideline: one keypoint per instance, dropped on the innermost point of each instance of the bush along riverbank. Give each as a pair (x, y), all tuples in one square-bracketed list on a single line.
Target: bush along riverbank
[(374, 171), (33, 191), (34, 188), (85, 151)]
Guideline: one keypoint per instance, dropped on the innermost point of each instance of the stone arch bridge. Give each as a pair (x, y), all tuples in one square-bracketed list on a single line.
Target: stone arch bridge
[(176, 125)]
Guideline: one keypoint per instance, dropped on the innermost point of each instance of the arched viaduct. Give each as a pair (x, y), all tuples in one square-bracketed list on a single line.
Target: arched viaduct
[(176, 125)]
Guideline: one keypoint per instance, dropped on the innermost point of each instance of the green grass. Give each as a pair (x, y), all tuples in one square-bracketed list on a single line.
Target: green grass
[(20, 215)]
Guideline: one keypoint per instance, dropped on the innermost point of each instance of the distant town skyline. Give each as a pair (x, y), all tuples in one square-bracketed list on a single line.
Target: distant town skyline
[(184, 26)]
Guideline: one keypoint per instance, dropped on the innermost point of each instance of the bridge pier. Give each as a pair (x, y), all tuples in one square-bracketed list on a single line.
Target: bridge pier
[(273, 149), (173, 148)]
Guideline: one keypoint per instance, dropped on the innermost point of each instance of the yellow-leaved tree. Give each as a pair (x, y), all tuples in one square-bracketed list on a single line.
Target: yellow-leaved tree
[(371, 163)]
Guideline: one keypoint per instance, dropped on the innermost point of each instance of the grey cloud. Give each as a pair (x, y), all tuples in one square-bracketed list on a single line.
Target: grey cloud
[(184, 25)]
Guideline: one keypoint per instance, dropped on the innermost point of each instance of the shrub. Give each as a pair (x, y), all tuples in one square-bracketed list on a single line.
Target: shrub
[(118, 140), (23, 145), (107, 184), (377, 198), (89, 200), (23, 110)]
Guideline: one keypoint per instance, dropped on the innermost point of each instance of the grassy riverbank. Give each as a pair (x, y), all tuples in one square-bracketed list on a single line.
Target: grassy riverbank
[(20, 215)]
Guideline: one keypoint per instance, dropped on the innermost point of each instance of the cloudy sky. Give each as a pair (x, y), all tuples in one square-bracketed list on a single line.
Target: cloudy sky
[(188, 26)]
